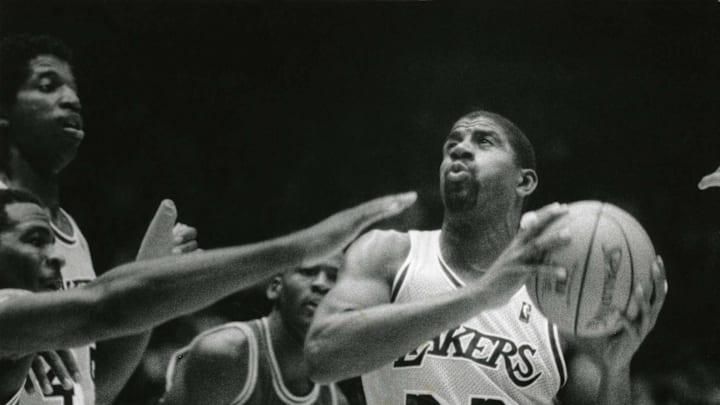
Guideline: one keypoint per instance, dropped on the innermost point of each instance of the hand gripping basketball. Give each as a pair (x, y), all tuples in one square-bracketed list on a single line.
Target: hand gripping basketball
[(339, 230), (523, 256)]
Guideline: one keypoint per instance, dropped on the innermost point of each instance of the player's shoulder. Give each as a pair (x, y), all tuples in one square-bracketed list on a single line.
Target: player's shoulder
[(225, 345)]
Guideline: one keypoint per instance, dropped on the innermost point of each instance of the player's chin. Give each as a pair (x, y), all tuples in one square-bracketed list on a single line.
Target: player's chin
[(459, 201)]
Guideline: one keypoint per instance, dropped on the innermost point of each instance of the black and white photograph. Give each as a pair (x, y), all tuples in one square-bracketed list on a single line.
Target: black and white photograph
[(359, 202)]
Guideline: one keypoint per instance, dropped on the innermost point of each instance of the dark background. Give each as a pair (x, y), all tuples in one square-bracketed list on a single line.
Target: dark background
[(258, 118)]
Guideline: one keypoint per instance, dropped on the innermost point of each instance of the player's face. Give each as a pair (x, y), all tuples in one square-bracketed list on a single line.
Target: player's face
[(301, 292), (26, 250), (478, 167), (45, 122)]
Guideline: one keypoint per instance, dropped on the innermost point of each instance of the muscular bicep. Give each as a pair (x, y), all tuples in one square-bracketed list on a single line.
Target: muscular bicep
[(367, 275), (215, 369)]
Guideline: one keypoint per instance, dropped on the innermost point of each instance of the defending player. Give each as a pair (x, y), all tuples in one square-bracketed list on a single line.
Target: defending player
[(41, 129), (258, 362), (139, 295), (442, 317)]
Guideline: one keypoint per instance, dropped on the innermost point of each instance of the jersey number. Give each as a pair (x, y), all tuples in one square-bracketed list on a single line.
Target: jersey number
[(430, 399)]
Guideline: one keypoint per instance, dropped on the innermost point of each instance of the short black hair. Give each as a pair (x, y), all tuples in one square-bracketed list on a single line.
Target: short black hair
[(15, 53), (12, 196), (521, 145)]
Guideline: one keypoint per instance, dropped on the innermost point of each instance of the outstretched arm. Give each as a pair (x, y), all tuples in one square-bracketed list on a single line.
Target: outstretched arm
[(136, 296), (358, 308)]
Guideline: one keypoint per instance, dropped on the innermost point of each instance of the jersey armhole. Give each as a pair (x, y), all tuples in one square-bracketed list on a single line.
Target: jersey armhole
[(557, 354), (252, 372), (401, 275)]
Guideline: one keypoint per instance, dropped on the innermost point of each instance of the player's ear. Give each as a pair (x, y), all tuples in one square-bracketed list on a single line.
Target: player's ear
[(527, 182), (274, 287)]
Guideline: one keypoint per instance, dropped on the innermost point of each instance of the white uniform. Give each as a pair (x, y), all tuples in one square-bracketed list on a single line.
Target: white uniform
[(78, 270), (508, 355)]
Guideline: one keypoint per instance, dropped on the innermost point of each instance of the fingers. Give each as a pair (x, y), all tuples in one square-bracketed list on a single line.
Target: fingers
[(660, 286), (546, 242), (535, 224), (184, 233), (552, 271), (711, 180), (184, 239), (61, 372), (70, 362), (39, 368), (384, 207)]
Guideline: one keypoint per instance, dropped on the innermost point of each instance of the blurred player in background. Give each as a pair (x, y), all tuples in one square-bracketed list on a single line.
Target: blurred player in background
[(261, 361), (139, 295), (441, 317), (41, 128)]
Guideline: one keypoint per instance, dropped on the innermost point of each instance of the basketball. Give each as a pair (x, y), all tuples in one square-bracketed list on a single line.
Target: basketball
[(609, 255)]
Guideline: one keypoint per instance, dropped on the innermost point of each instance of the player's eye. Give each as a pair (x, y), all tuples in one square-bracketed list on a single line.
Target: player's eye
[(48, 84), (38, 239), (309, 272)]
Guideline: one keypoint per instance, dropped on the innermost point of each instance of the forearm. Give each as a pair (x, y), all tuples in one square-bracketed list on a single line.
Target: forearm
[(350, 343), (139, 295), (615, 386)]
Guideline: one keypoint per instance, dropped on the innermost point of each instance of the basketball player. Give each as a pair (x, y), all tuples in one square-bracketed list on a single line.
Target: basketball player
[(443, 317), (136, 296), (41, 129), (258, 362)]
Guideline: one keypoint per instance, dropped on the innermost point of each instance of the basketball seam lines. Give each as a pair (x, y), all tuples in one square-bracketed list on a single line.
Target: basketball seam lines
[(632, 263), (587, 261)]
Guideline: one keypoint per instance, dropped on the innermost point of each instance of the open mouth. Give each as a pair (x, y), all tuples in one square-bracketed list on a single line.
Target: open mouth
[(73, 122), (458, 172)]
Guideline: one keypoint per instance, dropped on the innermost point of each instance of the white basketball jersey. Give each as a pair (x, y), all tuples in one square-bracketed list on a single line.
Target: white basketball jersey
[(506, 356), (78, 270)]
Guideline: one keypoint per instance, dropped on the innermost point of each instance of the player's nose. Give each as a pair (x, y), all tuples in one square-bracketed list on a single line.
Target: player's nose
[(55, 263), (69, 99), (461, 151), (322, 283)]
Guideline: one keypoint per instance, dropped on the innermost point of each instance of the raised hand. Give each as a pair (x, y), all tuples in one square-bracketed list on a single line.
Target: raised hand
[(523, 257), (337, 231)]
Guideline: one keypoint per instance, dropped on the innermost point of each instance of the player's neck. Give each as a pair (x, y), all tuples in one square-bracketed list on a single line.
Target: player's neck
[(471, 245), (288, 349), (21, 174)]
